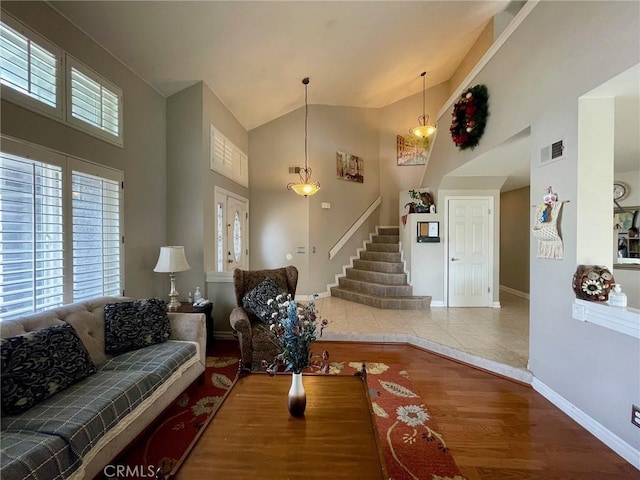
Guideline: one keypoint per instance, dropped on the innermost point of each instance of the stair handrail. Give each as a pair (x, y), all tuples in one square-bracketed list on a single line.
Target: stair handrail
[(354, 228)]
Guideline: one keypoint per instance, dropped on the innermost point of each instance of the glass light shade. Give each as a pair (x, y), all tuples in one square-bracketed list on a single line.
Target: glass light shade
[(305, 189), (172, 259), (423, 130)]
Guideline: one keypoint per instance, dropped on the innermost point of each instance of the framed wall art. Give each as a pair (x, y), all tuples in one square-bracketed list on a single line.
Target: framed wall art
[(349, 167), (412, 150)]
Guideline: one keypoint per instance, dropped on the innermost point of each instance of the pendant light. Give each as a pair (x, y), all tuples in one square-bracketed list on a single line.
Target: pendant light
[(305, 187), (424, 129)]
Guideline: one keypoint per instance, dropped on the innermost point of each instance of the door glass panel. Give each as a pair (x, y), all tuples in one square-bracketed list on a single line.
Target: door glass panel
[(237, 237), (220, 237)]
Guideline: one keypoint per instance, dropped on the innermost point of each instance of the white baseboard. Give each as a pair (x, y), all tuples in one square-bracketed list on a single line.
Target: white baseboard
[(496, 305), (515, 292), (437, 303), (606, 436)]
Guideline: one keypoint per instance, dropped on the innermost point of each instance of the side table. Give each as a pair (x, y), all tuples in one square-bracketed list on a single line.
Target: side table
[(186, 307)]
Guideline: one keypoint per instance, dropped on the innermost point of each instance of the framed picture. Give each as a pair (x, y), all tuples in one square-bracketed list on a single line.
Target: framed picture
[(349, 167), (412, 150), (428, 232), (623, 220)]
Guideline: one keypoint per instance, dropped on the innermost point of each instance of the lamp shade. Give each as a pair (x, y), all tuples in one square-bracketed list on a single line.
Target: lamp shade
[(172, 259)]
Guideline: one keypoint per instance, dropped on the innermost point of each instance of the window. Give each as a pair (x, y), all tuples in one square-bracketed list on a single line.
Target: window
[(30, 68), (93, 103), (31, 236), (32, 75), (220, 237), (96, 236), (37, 235)]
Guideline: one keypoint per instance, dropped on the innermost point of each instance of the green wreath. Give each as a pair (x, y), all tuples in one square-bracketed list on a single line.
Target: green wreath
[(469, 117)]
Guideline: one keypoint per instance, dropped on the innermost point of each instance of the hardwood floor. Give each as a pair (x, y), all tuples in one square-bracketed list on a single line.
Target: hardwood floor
[(496, 428)]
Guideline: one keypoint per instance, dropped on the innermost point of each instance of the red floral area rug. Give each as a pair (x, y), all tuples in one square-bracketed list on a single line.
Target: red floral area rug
[(173, 432), (413, 446)]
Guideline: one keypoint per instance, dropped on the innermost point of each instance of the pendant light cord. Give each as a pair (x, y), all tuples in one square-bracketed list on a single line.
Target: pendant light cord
[(306, 117), (424, 116)]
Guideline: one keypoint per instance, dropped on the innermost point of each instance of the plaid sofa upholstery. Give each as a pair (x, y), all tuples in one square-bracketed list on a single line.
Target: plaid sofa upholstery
[(53, 439)]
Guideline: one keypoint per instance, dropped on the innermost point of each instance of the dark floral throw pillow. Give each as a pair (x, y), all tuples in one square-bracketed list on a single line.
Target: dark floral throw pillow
[(39, 364), (257, 299), (137, 324)]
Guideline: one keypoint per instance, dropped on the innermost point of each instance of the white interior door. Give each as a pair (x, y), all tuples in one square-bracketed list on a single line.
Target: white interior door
[(469, 252), (232, 232)]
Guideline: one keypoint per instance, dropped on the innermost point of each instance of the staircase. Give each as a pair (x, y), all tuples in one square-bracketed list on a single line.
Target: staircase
[(377, 278)]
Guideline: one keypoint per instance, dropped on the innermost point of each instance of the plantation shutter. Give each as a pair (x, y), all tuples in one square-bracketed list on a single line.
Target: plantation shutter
[(31, 236), (28, 67), (96, 236), (93, 103)]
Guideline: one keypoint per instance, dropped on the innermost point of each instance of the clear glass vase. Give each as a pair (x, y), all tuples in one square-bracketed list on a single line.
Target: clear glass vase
[(297, 398)]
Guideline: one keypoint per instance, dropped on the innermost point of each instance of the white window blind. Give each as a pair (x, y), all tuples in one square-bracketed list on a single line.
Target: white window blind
[(93, 102), (29, 67), (31, 236), (96, 236), (60, 230)]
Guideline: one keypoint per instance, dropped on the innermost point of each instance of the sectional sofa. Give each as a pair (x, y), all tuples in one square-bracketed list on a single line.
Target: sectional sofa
[(105, 400)]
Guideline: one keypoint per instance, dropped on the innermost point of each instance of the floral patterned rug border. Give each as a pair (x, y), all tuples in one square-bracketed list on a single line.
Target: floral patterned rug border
[(413, 445)]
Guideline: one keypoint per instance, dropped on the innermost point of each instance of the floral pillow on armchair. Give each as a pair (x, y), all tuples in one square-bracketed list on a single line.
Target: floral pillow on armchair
[(257, 300)]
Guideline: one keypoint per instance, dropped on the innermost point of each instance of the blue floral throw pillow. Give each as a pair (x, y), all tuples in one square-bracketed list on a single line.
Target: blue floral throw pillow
[(256, 301), (137, 324), (39, 364)]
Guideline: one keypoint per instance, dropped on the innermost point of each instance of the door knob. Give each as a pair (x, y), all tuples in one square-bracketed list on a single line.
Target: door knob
[(454, 259)]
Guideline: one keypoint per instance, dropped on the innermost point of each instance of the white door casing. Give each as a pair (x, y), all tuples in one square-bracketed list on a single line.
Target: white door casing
[(469, 251)]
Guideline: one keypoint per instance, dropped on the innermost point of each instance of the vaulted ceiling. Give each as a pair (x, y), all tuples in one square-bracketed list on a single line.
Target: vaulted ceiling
[(253, 55)]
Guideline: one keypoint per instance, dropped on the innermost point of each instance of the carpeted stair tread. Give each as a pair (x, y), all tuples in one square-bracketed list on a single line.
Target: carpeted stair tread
[(378, 278), (387, 303), (383, 278)]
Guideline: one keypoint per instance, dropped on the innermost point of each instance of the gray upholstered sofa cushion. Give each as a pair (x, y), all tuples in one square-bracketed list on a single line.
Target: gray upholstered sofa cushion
[(35, 455), (162, 359), (84, 412)]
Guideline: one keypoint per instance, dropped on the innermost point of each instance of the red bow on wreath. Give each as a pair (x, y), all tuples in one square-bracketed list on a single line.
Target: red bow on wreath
[(469, 117)]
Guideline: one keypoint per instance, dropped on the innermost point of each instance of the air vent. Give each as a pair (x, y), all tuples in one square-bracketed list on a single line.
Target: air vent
[(294, 170), (552, 153)]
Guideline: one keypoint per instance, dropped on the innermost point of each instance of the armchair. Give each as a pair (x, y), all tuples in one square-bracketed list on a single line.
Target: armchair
[(257, 343)]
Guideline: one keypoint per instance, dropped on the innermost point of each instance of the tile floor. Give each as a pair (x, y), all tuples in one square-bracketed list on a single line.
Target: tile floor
[(497, 334)]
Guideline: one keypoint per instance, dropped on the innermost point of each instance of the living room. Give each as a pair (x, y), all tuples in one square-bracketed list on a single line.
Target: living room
[(559, 52)]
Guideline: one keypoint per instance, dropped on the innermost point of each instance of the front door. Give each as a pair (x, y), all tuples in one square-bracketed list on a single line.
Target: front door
[(469, 252), (232, 231)]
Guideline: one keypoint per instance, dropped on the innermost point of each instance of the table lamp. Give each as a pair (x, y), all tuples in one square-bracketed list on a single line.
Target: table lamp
[(172, 260)]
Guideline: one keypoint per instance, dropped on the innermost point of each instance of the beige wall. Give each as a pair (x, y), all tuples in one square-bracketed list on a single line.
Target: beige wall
[(282, 222), (515, 227), (185, 208), (479, 48), (397, 119), (191, 183), (142, 159)]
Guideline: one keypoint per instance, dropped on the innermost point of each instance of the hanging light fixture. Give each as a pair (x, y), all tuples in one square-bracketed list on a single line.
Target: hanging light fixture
[(305, 187), (424, 129)]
